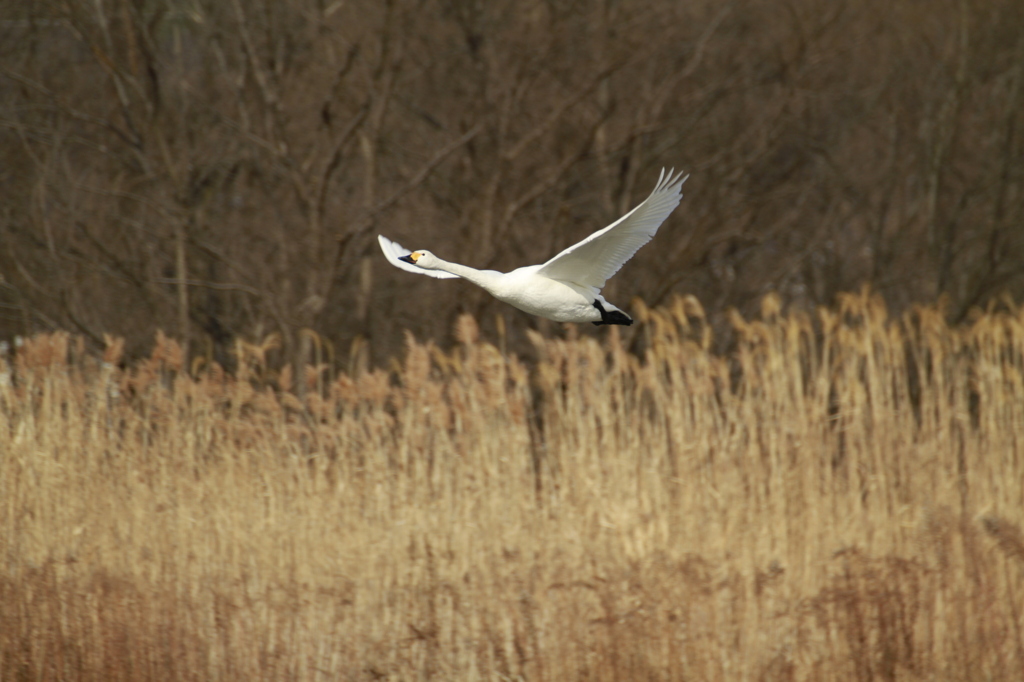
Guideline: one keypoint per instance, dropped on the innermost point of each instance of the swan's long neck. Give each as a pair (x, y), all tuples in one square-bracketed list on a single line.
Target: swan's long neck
[(485, 279)]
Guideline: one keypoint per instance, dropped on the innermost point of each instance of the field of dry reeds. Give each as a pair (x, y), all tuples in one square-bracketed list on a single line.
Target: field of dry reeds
[(838, 498)]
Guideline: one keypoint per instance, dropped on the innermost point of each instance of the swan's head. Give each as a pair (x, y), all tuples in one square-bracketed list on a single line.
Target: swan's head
[(422, 259)]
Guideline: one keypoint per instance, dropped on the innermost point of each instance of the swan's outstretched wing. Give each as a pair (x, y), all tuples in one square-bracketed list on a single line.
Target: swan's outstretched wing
[(393, 251), (592, 261)]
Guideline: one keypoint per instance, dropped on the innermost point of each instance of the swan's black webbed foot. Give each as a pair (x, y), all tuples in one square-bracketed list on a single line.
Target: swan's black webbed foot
[(612, 317)]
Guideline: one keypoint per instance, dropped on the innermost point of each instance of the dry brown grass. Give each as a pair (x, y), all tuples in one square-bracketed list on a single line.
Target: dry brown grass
[(839, 499)]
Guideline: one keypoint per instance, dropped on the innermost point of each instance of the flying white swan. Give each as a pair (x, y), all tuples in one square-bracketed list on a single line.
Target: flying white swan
[(567, 287)]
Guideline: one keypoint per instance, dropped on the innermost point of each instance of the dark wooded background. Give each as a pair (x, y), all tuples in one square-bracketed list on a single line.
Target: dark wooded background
[(220, 169)]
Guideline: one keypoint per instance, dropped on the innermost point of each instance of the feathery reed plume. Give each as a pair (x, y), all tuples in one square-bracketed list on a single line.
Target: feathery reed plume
[(1007, 535)]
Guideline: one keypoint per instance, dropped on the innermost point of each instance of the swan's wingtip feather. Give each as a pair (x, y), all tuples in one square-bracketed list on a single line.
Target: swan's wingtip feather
[(391, 248), (676, 180)]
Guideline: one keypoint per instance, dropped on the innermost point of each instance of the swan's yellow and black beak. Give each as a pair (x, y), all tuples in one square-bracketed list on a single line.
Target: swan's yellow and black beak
[(411, 258)]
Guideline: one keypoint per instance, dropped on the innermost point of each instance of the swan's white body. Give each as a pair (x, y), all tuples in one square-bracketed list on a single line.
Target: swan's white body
[(566, 288)]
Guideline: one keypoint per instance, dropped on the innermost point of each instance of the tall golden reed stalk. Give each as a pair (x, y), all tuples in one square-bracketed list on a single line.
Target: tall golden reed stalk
[(839, 498)]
